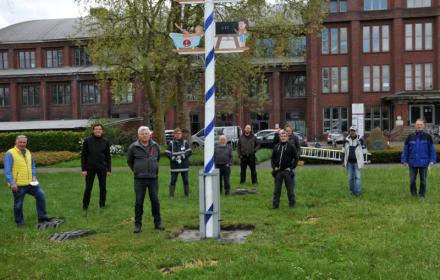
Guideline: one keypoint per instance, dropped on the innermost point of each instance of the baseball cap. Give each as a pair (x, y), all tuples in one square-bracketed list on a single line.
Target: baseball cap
[(353, 128)]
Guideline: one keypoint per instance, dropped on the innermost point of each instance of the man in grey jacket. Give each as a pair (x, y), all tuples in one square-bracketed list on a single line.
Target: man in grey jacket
[(223, 161), (247, 147), (354, 160), (143, 159)]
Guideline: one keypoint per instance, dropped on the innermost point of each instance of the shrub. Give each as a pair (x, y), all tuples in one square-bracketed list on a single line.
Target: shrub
[(48, 158), (376, 140), (113, 133), (44, 140)]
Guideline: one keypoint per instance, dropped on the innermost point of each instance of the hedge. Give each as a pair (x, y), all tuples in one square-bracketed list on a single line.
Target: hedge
[(44, 140), (47, 158)]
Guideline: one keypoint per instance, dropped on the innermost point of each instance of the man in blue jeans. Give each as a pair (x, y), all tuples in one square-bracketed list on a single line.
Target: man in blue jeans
[(20, 173), (419, 153), (354, 160)]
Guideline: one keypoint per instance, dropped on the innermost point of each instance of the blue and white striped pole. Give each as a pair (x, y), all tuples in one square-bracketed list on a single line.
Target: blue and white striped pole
[(210, 224)]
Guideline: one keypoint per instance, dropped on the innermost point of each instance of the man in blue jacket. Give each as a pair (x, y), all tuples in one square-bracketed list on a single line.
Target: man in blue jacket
[(418, 153)]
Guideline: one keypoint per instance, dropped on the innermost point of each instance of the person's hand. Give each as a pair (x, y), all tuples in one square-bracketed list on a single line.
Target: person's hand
[(109, 173), (178, 157), (14, 187), (84, 173), (405, 164)]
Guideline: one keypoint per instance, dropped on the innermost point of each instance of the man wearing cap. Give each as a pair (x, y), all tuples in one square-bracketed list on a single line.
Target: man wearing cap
[(354, 160), (419, 153)]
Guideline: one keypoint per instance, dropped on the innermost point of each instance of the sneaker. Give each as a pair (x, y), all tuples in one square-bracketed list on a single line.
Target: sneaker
[(45, 219), (137, 229), (158, 227), (275, 207)]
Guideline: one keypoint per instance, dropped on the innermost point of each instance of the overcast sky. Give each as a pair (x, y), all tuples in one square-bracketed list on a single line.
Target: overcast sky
[(14, 11)]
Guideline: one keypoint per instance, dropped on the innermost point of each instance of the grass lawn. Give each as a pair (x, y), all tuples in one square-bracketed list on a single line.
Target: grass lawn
[(385, 234)]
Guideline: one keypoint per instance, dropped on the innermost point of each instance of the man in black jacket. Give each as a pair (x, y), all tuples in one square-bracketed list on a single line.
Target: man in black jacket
[(143, 159), (247, 147), (284, 160), (178, 151), (95, 160), (223, 161)]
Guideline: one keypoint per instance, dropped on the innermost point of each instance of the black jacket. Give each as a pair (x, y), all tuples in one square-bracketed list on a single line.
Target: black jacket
[(144, 160), (284, 156), (95, 154), (247, 145), (223, 154), (178, 148), (293, 139)]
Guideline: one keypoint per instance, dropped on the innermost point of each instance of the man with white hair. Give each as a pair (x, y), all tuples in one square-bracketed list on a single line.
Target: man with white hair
[(143, 159), (20, 173)]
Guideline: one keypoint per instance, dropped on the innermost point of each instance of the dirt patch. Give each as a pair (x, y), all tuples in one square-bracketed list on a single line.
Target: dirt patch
[(236, 233), (167, 270)]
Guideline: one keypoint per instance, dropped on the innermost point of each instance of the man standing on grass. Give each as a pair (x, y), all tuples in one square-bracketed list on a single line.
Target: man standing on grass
[(284, 160), (20, 173), (178, 151), (95, 160), (354, 160), (143, 159), (223, 161), (419, 153), (247, 147)]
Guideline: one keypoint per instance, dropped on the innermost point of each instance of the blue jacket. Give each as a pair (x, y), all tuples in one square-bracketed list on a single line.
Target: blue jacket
[(419, 150)]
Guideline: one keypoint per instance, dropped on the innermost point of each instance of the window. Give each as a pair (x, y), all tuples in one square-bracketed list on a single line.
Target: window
[(90, 93), (260, 121), (297, 46), (335, 119), (3, 60), (338, 6), (224, 119), (380, 75), (30, 95), (377, 117), (376, 38), (60, 93), (295, 86), (4, 96), (26, 59), (297, 120), (418, 3), (195, 122), (418, 76), (337, 38), (54, 58), (124, 94), (265, 47), (375, 5), (80, 56), (258, 86), (335, 78), (418, 36)]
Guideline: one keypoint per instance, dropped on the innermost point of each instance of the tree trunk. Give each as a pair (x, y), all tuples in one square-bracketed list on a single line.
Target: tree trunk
[(181, 103)]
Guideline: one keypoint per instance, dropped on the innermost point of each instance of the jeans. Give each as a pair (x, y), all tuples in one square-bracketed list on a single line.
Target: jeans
[(40, 198), (90, 177), (285, 176), (225, 173), (140, 188), (354, 178), (413, 177), (174, 176), (244, 162)]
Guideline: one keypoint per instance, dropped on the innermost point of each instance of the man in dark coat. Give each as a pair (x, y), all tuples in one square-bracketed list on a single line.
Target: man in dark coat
[(178, 151), (223, 161), (95, 160), (284, 160), (143, 159), (247, 147)]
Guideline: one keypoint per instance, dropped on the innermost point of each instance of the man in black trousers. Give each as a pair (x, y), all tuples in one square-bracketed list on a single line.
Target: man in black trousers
[(284, 160), (247, 147), (95, 160)]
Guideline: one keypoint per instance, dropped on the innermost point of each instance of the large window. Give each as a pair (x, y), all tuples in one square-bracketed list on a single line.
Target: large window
[(377, 117), (297, 46), (195, 122), (4, 96), (54, 58), (297, 120), (334, 40), (376, 78), (376, 38), (80, 56), (265, 47), (375, 5), (418, 36), (60, 93), (334, 79), (30, 95), (26, 59), (418, 3), (3, 60), (259, 87), (90, 93), (124, 94), (418, 76), (224, 119), (295, 86), (338, 6), (260, 121), (335, 119)]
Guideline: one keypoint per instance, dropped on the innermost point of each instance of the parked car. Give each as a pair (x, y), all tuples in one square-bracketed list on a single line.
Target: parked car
[(232, 134), (335, 136), (266, 137), (169, 135)]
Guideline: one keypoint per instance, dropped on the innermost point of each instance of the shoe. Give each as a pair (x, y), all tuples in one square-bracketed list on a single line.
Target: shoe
[(275, 207), (102, 206), (137, 229), (158, 227), (85, 208), (292, 204), (45, 219)]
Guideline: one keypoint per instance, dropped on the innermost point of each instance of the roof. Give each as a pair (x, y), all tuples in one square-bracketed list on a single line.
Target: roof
[(61, 71), (44, 125), (42, 30)]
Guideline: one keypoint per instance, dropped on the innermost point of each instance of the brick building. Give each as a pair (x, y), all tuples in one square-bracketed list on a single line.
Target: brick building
[(382, 53)]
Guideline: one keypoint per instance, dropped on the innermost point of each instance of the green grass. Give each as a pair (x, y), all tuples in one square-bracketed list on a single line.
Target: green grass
[(385, 234)]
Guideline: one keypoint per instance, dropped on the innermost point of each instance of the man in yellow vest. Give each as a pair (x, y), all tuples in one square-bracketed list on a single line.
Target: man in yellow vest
[(20, 172)]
